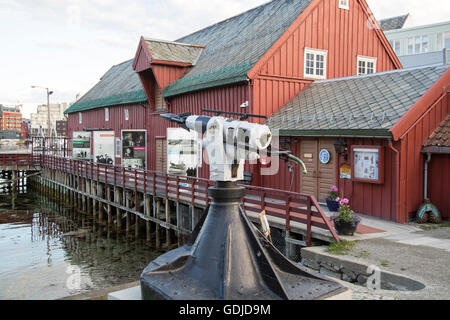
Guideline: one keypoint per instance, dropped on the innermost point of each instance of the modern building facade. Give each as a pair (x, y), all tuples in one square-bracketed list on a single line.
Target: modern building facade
[(39, 120), (10, 118), (421, 45)]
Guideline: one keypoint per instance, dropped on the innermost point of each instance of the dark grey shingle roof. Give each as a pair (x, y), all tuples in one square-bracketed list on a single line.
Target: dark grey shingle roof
[(172, 51), (393, 23), (245, 37), (372, 102), (120, 85)]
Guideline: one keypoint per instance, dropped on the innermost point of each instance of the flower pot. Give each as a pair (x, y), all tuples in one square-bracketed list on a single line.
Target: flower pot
[(332, 205), (345, 228)]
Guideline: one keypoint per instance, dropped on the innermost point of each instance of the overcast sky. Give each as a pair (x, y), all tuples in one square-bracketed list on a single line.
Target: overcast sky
[(67, 45)]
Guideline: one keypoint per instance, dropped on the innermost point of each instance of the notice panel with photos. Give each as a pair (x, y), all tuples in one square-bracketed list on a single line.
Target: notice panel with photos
[(104, 147), (368, 164), (184, 152), (134, 148), (81, 145)]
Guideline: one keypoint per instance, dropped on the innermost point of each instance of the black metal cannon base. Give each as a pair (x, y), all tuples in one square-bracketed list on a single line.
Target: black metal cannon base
[(231, 260)]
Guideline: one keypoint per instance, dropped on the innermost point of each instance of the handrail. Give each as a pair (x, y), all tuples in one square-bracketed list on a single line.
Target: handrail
[(288, 205)]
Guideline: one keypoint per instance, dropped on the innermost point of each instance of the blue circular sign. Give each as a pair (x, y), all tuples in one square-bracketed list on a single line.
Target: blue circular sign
[(324, 156)]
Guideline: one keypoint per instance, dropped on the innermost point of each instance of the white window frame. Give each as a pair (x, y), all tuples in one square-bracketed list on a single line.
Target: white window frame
[(366, 60), (344, 4), (446, 35), (422, 47), (106, 114), (394, 44), (80, 117), (411, 45), (440, 41), (127, 114), (315, 52)]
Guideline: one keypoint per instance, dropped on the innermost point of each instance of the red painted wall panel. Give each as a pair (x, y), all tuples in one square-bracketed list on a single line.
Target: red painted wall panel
[(438, 183), (377, 200), (96, 119), (412, 159), (345, 34)]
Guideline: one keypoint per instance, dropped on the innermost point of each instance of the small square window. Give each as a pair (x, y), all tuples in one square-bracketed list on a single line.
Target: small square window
[(366, 65), (315, 63), (344, 4)]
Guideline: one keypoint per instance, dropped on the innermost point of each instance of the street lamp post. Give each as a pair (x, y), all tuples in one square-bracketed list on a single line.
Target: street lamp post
[(48, 108)]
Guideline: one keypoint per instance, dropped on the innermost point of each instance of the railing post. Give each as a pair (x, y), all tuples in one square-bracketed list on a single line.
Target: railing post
[(288, 214), (135, 192), (145, 182), (193, 192), (308, 223)]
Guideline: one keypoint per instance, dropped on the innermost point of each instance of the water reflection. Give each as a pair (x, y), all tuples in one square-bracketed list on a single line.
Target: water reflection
[(48, 251)]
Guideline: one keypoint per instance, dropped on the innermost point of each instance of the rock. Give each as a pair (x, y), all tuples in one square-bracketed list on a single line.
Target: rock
[(362, 279), (310, 264), (330, 273), (348, 275)]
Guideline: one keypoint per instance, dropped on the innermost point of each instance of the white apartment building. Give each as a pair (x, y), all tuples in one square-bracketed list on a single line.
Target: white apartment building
[(39, 120), (419, 45)]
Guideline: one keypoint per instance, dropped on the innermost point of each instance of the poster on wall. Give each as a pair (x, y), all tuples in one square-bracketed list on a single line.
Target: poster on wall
[(184, 152), (104, 147), (81, 145), (134, 148), (367, 164)]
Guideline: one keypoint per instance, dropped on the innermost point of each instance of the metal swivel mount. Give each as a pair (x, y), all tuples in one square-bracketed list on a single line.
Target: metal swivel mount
[(228, 258)]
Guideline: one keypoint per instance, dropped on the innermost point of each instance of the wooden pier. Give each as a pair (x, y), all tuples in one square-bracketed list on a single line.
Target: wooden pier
[(167, 207)]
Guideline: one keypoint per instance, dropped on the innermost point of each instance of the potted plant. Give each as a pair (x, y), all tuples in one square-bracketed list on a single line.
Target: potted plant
[(332, 203), (346, 221)]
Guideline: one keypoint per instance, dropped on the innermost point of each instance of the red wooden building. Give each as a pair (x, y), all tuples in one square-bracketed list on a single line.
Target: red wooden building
[(255, 62)]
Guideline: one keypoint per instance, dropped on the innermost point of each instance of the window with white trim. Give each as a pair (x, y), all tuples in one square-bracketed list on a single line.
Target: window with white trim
[(106, 114), (447, 40), (80, 117), (439, 41), (366, 65), (344, 4), (410, 45), (127, 115), (315, 65), (395, 44), (425, 47)]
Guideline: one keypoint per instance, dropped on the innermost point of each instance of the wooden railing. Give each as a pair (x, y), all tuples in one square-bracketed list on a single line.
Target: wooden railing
[(19, 159), (288, 206)]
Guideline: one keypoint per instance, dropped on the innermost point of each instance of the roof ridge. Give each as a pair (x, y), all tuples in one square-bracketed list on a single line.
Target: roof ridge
[(227, 19), (396, 17), (381, 73), (173, 42)]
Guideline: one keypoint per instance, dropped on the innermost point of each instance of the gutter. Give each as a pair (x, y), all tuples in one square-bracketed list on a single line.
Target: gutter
[(397, 178), (338, 133)]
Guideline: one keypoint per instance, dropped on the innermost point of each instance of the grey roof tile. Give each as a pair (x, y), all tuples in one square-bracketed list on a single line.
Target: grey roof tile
[(393, 23), (374, 101)]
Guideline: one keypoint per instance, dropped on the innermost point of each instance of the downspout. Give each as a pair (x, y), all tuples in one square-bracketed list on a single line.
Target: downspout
[(425, 179), (397, 191)]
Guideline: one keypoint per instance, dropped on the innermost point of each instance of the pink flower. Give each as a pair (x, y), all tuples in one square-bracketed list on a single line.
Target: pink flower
[(346, 201), (338, 199), (334, 188), (341, 202)]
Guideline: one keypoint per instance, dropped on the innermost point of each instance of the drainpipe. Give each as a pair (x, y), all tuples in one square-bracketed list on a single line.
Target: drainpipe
[(425, 179), (397, 168)]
